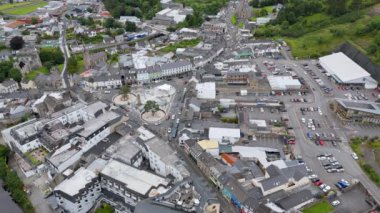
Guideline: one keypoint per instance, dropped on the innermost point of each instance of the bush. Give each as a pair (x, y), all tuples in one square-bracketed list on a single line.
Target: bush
[(13, 183), (230, 120)]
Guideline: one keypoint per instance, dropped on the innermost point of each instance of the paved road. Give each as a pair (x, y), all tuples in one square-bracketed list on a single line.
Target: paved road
[(64, 49), (309, 150)]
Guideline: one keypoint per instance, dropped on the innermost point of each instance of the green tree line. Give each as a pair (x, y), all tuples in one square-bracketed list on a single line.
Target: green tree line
[(12, 182)]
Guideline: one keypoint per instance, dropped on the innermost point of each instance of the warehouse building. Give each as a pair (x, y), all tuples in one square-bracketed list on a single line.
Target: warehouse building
[(346, 72), (281, 83)]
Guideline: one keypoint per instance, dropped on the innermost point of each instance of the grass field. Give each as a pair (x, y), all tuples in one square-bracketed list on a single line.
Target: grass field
[(33, 74), (9, 6), (358, 145), (321, 207), (323, 41), (181, 44), (26, 9)]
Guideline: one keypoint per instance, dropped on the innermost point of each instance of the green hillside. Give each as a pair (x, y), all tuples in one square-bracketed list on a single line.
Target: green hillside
[(319, 33)]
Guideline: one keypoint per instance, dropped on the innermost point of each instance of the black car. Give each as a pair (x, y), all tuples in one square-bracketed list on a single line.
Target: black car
[(315, 180), (316, 143)]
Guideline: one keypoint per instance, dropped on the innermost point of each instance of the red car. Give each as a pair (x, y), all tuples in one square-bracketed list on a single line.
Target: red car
[(318, 183), (292, 142), (321, 142)]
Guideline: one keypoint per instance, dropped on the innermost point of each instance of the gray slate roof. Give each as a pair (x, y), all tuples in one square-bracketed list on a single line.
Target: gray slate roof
[(295, 199)]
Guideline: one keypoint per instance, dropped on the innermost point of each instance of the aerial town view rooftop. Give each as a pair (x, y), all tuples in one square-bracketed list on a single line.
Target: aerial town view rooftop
[(206, 106)]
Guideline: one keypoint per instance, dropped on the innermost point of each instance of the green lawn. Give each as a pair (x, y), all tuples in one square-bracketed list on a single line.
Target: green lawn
[(34, 161), (9, 6), (105, 209), (33, 74), (321, 207), (233, 20), (27, 9), (181, 44)]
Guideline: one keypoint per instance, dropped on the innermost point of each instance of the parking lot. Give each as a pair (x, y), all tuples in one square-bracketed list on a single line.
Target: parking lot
[(319, 75), (353, 201), (262, 113)]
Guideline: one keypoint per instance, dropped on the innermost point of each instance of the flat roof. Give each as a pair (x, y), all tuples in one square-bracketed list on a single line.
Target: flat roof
[(216, 132), (208, 144), (92, 125), (137, 180), (259, 153), (94, 107), (343, 67), (282, 82), (160, 148), (364, 106), (77, 182), (206, 90)]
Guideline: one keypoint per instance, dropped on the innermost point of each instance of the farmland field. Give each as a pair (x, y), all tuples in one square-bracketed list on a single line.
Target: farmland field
[(26, 9)]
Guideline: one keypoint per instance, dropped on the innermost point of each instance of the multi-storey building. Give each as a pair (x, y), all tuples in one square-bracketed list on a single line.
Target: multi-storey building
[(167, 70), (357, 111), (129, 184), (79, 193)]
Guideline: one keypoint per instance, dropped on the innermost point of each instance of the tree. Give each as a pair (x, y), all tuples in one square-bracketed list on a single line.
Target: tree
[(130, 27), (17, 43), (72, 65), (119, 31), (34, 20), (337, 7), (263, 12), (356, 5), (124, 91), (151, 106), (15, 74), (5, 67)]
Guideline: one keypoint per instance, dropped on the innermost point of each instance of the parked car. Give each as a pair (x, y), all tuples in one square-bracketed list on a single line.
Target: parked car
[(354, 156), (335, 202)]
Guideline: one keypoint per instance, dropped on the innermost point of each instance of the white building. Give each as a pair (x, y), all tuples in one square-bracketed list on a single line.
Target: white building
[(224, 135), (162, 158), (133, 19), (345, 71), (79, 193), (283, 83), (102, 82), (8, 86), (262, 20), (206, 90), (130, 183)]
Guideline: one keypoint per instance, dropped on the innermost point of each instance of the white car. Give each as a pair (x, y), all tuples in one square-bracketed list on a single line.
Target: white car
[(322, 186), (335, 202), (313, 127), (354, 156), (312, 176), (326, 188), (303, 120)]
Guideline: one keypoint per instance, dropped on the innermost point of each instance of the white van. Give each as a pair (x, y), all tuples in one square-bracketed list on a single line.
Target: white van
[(107, 92)]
